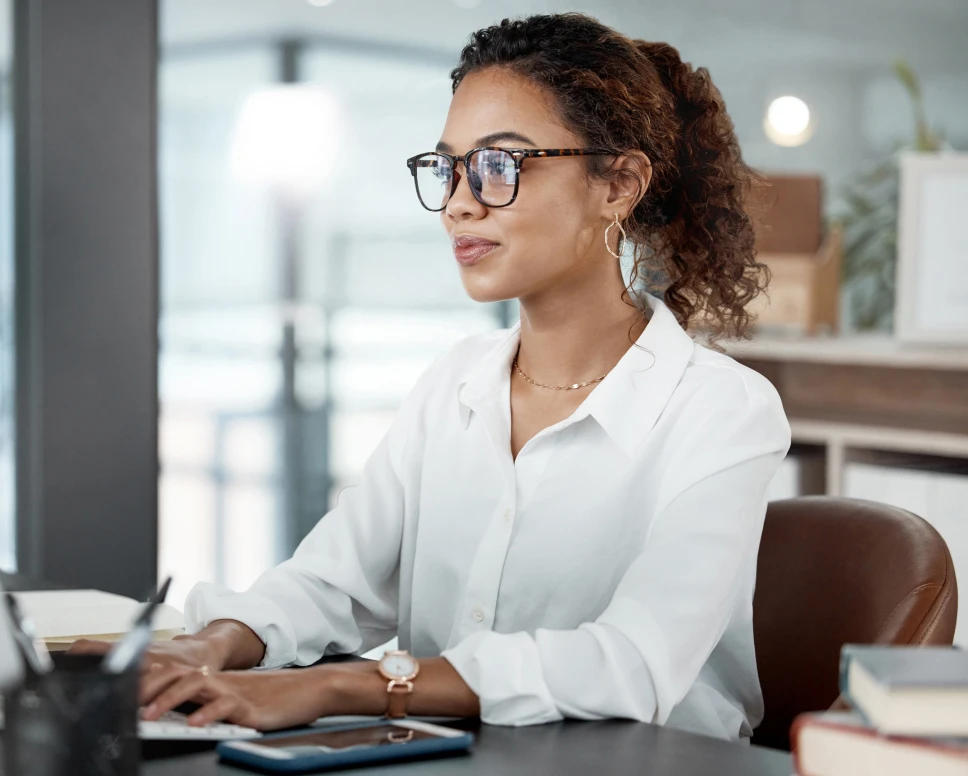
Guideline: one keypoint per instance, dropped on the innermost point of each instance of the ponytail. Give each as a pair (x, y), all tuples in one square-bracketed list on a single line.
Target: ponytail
[(701, 228)]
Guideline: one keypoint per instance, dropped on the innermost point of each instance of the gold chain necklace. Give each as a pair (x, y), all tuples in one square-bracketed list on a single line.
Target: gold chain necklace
[(574, 387)]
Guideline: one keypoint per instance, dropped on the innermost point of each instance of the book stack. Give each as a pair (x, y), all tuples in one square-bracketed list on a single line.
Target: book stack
[(909, 716)]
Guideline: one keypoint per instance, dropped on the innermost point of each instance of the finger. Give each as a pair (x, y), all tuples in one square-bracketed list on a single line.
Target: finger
[(194, 686), (224, 707), (156, 682)]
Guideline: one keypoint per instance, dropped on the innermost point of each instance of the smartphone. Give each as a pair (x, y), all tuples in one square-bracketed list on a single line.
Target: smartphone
[(343, 745)]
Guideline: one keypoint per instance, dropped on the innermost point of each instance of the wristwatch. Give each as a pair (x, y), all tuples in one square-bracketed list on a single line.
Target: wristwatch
[(399, 668)]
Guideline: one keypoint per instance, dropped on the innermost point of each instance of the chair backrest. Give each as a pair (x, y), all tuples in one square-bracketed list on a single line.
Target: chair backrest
[(833, 571)]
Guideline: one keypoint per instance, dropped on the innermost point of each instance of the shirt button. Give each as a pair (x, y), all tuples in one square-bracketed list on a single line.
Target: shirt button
[(508, 514), (478, 615)]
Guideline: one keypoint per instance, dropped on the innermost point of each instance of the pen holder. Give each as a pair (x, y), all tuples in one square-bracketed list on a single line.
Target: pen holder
[(74, 721)]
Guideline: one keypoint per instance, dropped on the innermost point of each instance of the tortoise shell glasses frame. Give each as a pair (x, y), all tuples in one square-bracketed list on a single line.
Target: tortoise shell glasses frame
[(431, 161)]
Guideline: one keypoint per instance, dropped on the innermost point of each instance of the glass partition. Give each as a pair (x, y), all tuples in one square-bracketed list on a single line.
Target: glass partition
[(219, 339), (303, 292)]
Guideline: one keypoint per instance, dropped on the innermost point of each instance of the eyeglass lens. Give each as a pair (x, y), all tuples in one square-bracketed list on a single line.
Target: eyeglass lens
[(491, 174)]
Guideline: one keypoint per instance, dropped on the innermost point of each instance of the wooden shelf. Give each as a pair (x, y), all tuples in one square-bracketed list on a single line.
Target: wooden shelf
[(880, 438), (839, 443), (855, 396), (873, 350)]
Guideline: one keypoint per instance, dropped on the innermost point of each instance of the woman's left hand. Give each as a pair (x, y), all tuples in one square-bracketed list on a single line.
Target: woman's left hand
[(265, 700)]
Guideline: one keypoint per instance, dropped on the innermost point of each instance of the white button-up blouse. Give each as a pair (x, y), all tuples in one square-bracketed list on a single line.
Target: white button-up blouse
[(608, 571)]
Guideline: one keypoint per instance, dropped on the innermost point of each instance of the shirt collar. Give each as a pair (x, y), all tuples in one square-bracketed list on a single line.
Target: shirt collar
[(628, 402), (490, 374), (630, 399)]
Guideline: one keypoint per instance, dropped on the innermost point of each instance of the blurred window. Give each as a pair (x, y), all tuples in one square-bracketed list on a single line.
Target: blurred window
[(294, 318)]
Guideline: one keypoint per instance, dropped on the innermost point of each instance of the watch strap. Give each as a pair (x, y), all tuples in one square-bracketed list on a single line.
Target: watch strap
[(398, 696)]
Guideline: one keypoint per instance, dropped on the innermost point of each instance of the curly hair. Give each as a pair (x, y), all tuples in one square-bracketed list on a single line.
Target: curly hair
[(693, 237)]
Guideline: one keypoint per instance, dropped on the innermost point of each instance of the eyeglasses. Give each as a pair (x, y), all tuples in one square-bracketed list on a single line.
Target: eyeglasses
[(492, 173)]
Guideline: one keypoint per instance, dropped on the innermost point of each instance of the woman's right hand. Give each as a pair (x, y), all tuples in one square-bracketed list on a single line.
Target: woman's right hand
[(223, 644), (189, 651)]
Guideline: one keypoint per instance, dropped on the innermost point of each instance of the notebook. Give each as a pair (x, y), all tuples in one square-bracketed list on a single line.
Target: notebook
[(908, 690), (61, 617)]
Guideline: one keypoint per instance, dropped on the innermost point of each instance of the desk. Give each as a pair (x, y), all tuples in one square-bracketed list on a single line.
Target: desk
[(612, 748)]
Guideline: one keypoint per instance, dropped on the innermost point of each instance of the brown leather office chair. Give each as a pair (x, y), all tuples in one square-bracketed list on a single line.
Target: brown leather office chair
[(833, 571)]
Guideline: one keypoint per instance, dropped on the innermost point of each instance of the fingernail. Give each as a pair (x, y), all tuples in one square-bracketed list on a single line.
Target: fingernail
[(150, 711)]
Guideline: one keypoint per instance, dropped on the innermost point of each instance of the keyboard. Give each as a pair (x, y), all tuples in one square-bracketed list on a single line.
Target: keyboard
[(173, 726)]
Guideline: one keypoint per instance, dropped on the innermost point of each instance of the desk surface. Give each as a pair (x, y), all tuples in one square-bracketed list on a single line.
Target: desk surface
[(597, 748), (587, 748)]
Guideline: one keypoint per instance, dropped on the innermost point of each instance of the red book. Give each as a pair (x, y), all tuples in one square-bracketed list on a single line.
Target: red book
[(836, 743)]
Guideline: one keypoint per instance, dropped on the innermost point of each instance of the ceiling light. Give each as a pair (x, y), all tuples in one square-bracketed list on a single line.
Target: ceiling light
[(286, 136), (320, 3), (787, 121)]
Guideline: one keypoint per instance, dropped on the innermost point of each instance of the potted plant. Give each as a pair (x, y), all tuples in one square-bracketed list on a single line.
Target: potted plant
[(869, 222)]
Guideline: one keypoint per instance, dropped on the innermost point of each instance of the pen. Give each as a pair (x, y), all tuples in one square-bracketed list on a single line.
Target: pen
[(34, 650), (128, 651)]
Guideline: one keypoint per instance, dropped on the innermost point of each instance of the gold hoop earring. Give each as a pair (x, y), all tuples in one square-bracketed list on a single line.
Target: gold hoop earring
[(621, 240)]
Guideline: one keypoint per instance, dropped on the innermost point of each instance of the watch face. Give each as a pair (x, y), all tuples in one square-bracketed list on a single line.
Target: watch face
[(399, 665)]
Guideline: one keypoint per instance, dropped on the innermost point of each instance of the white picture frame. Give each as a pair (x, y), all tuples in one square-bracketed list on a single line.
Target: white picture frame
[(932, 249)]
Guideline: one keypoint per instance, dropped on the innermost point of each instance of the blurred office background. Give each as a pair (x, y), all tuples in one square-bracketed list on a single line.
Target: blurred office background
[(302, 287)]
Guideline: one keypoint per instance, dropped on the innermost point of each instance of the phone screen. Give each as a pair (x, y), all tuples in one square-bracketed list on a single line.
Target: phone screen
[(336, 740)]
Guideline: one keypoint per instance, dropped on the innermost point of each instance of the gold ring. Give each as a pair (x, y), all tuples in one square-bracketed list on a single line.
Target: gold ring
[(205, 671)]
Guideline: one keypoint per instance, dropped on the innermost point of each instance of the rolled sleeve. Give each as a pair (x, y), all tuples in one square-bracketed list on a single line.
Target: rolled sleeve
[(589, 673), (209, 602), (505, 672), (595, 672)]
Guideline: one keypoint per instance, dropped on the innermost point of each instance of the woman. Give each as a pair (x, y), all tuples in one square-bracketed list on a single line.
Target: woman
[(563, 520)]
